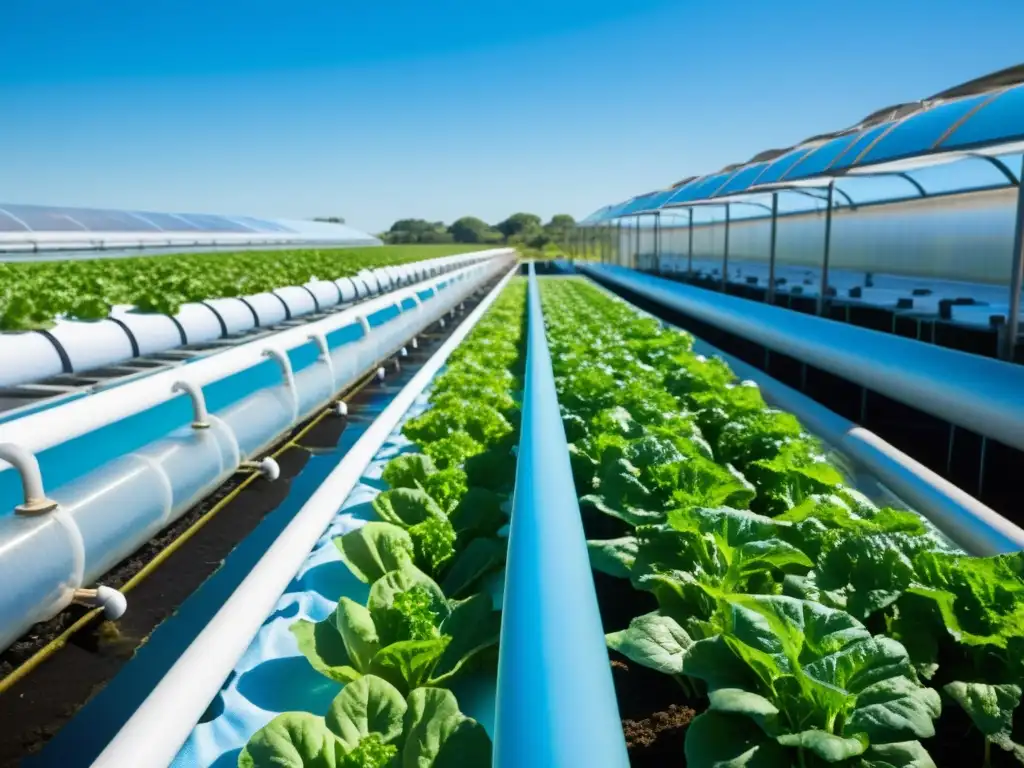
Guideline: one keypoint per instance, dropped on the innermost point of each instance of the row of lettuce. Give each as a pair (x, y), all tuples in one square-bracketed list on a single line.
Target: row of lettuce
[(812, 627), (430, 559), (35, 294)]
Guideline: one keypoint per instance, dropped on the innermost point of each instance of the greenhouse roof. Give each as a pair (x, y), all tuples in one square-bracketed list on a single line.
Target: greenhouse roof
[(982, 118), (40, 228)]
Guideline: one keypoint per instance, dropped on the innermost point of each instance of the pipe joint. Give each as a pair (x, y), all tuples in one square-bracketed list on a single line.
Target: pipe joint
[(27, 467), (200, 417)]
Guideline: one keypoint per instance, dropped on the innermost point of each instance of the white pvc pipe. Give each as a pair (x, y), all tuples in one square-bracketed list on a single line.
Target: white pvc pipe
[(44, 429), (162, 723)]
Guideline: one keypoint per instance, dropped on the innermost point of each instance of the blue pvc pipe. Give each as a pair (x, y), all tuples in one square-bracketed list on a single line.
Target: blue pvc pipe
[(556, 705)]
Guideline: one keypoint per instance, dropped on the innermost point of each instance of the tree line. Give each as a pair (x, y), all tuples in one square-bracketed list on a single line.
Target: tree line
[(518, 229)]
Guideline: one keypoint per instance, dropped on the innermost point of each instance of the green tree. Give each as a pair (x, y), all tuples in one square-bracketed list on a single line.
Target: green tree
[(520, 226), (470, 229)]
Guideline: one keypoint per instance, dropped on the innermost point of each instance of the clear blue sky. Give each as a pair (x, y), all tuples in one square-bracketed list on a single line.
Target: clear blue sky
[(384, 110)]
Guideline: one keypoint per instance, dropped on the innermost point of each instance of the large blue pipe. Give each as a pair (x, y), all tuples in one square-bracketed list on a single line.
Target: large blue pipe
[(556, 704)]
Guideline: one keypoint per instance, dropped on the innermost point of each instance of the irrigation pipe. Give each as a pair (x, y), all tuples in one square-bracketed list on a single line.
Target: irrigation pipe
[(975, 527), (44, 429), (556, 703), (978, 393), (163, 721), (48, 650)]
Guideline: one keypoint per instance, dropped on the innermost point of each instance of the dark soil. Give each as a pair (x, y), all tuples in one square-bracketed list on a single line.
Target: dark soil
[(655, 714), (38, 706), (655, 710)]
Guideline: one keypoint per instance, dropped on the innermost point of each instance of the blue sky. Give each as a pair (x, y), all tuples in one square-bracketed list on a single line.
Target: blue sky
[(385, 110)]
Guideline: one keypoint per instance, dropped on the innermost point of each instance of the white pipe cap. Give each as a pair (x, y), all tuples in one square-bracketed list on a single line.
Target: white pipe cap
[(113, 603)]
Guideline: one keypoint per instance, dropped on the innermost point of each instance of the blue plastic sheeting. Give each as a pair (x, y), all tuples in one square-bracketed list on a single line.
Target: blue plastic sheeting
[(273, 676), (987, 119), (556, 701), (1001, 120)]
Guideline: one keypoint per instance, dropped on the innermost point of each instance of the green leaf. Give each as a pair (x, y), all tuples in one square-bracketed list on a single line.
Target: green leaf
[(821, 668), (357, 631), (437, 735), (373, 549), (990, 706), (482, 556), (717, 740), (322, 645), (654, 640), (832, 749), (478, 513), (293, 740), (408, 664), (907, 754), (473, 626), (391, 624), (980, 599), (408, 471), (406, 506), (368, 705), (613, 556)]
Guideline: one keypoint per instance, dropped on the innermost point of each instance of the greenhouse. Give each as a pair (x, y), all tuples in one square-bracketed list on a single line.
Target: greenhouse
[(729, 482)]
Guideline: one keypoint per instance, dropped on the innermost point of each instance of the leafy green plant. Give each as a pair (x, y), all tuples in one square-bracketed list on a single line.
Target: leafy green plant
[(35, 294), (809, 685), (370, 724), (409, 633)]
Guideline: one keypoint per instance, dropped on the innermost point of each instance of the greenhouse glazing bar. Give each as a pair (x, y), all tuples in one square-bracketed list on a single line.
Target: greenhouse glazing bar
[(773, 236), (827, 249), (1016, 277)]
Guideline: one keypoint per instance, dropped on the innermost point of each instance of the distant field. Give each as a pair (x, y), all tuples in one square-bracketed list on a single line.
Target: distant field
[(33, 295)]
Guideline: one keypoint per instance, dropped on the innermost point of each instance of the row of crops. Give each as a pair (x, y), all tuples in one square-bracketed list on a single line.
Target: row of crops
[(792, 621), (35, 294), (429, 618), (803, 624)]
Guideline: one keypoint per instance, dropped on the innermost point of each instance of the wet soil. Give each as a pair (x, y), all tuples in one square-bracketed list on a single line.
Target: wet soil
[(37, 707)]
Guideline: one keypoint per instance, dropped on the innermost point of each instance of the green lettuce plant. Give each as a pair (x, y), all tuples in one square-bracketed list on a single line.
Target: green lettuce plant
[(370, 724)]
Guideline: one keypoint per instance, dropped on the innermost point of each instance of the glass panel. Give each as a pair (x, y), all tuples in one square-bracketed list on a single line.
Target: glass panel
[(168, 222), (701, 189), (659, 199), (1000, 119), (42, 219), (262, 225), (9, 224), (110, 221), (640, 204), (743, 178), (863, 141), (780, 165), (682, 193), (818, 160), (917, 134), (210, 223)]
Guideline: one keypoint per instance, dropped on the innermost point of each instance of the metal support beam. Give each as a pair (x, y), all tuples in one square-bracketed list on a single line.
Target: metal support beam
[(827, 249), (689, 248), (1016, 278), (657, 242), (725, 250), (770, 297)]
